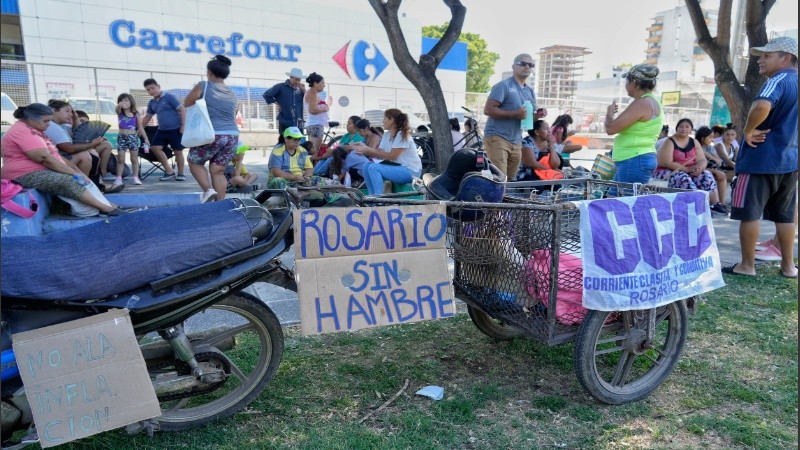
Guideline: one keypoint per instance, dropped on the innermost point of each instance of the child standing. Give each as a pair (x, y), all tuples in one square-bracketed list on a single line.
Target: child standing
[(129, 127)]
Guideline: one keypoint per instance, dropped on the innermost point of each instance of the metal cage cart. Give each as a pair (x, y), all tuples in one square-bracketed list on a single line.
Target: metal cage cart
[(518, 268)]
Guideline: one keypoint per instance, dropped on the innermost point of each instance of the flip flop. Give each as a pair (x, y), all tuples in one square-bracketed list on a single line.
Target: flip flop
[(784, 275), (729, 270)]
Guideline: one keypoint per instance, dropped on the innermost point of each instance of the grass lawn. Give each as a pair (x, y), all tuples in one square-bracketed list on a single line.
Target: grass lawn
[(736, 386)]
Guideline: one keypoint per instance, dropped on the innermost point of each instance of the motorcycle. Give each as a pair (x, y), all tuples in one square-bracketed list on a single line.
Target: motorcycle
[(209, 347)]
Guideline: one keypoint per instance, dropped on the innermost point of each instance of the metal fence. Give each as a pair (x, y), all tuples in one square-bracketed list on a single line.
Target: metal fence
[(32, 82)]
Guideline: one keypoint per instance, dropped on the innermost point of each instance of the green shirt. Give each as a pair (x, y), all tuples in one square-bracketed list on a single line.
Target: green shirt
[(639, 138), (351, 139)]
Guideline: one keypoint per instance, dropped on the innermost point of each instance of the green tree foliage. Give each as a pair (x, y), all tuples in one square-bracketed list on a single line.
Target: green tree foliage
[(480, 61)]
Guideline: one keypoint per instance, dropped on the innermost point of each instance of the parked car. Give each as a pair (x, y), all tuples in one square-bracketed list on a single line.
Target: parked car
[(7, 115), (98, 109)]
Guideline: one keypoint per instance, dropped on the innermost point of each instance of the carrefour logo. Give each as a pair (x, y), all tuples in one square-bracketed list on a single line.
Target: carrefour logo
[(359, 61)]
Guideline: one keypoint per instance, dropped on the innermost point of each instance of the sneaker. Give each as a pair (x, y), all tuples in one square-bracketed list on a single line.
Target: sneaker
[(208, 196), (137, 181), (167, 177), (770, 253), (719, 208), (180, 178), (764, 245)]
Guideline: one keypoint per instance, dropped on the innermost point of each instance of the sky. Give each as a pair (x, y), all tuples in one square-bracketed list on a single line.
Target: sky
[(613, 30)]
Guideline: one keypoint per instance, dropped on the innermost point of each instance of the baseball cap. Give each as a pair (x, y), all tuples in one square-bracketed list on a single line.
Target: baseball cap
[(644, 72), (293, 132), (779, 44)]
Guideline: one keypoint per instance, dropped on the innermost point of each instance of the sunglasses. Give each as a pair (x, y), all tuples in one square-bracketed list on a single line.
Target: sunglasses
[(526, 64), (292, 138)]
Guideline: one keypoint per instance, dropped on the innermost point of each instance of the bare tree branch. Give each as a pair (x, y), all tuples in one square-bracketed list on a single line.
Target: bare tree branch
[(422, 74)]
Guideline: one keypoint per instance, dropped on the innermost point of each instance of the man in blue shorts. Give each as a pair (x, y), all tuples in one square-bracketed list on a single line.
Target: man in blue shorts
[(171, 120), (767, 162)]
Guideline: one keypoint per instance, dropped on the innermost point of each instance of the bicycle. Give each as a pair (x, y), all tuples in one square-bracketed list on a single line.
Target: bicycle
[(473, 138), (427, 152)]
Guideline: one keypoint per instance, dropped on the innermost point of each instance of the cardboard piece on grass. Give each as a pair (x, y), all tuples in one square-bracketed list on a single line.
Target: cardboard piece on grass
[(84, 377), (368, 267)]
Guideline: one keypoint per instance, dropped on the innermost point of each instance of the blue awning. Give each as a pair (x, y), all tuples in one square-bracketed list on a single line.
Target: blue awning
[(9, 7), (14, 76)]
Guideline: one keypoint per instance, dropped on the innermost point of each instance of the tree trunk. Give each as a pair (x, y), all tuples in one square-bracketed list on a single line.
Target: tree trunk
[(422, 74), (737, 96)]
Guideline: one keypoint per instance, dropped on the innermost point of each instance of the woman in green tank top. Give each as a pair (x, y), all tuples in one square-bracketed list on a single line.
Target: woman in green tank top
[(637, 127)]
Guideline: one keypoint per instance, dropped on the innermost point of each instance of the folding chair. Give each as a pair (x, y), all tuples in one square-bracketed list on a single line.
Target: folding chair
[(150, 130)]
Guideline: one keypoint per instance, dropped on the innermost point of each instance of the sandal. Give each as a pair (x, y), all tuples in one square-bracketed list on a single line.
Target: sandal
[(729, 271)]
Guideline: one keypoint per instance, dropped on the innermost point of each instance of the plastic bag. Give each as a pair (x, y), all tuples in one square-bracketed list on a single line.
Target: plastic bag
[(80, 209), (198, 130)]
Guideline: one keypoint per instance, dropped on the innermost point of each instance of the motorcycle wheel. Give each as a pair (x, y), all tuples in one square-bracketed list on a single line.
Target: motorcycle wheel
[(256, 351), (614, 363)]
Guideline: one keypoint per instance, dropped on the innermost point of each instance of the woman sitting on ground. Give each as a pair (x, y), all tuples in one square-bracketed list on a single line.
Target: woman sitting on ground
[(397, 151), (540, 160), (561, 134), (727, 150), (372, 136), (705, 136), (682, 162), (455, 133), (31, 160), (473, 139), (335, 156)]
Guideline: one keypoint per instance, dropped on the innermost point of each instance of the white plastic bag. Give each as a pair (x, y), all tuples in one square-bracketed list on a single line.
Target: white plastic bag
[(198, 130), (80, 209)]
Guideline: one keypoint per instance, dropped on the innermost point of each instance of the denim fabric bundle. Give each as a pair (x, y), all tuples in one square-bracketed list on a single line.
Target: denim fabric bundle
[(121, 253)]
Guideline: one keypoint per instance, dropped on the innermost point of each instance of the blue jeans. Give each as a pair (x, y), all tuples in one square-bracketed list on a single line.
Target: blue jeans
[(375, 173), (321, 168), (638, 169)]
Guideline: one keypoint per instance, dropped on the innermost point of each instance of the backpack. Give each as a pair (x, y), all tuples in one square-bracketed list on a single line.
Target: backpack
[(8, 190), (111, 167)]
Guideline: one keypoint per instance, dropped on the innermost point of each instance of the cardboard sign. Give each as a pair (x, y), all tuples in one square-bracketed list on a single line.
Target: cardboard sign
[(647, 251), (84, 377), (369, 267)]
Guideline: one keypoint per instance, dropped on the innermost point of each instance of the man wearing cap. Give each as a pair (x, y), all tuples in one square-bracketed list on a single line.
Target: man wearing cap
[(290, 165), (767, 162), (504, 107), (290, 162), (289, 97)]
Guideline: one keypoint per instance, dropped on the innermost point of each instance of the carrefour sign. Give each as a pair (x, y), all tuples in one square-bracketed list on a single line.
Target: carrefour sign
[(124, 34)]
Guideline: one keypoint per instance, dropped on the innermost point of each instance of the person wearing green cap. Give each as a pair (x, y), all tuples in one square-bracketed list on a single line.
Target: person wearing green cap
[(290, 165)]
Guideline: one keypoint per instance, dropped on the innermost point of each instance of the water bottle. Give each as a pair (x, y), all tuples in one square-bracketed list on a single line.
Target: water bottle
[(81, 180), (527, 123)]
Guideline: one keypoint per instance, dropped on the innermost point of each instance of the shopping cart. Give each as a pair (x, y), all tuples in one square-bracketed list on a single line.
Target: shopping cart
[(518, 269)]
